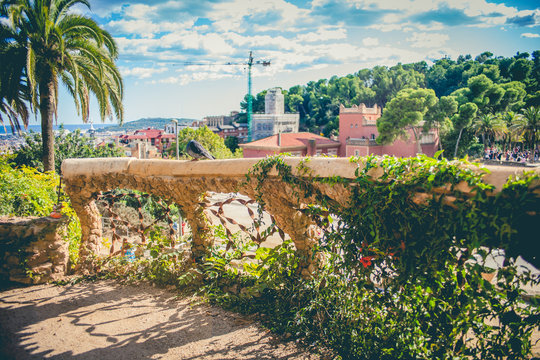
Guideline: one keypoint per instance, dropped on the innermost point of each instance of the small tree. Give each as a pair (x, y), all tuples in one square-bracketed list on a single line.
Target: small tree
[(232, 143), (527, 126), (467, 112), (489, 127), (405, 111), (212, 142), (67, 145), (57, 46)]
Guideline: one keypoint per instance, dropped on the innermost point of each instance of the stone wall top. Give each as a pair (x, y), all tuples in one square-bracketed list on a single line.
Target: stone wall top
[(236, 168)]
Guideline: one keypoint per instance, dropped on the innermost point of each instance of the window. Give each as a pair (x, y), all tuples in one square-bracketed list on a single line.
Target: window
[(372, 136), (356, 125), (351, 126), (356, 152), (332, 151)]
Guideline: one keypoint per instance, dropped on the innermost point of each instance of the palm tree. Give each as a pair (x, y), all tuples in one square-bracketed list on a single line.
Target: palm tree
[(61, 46), (527, 126), (13, 90), (509, 136), (489, 127)]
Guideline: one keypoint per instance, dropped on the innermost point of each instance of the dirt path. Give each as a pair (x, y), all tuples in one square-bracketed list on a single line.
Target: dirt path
[(105, 320)]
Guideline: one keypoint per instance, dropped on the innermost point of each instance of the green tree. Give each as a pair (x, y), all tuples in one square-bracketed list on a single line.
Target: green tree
[(521, 69), (232, 143), (212, 142), (68, 145), (405, 111), (467, 112), (13, 90), (59, 45), (514, 93), (527, 126), (439, 116), (508, 118), (489, 127)]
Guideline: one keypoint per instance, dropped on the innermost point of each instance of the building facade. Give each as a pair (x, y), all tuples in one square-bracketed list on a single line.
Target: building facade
[(274, 120), (146, 143), (358, 131)]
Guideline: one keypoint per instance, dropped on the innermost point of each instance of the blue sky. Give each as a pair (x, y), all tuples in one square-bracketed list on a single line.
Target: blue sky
[(304, 40)]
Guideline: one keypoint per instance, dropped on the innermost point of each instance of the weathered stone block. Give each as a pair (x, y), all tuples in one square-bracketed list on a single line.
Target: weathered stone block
[(41, 239)]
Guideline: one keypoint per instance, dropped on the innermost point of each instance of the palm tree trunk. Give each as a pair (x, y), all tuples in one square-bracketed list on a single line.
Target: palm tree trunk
[(457, 142), (46, 110)]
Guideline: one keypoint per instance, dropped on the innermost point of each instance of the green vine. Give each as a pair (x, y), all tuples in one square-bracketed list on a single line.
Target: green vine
[(400, 280)]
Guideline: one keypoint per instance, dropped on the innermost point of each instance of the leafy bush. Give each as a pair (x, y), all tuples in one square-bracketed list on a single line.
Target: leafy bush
[(404, 274), (66, 146), (211, 141), (25, 191), (399, 281)]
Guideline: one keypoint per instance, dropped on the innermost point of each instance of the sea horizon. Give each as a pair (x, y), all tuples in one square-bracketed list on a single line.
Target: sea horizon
[(37, 128)]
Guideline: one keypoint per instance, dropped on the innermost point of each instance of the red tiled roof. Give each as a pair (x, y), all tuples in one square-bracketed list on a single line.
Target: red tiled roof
[(131, 137), (150, 133), (291, 140)]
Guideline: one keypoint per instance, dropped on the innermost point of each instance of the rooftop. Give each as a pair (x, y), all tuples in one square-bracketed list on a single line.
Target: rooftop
[(291, 140)]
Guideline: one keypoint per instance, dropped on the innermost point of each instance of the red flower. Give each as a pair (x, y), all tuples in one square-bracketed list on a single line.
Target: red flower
[(366, 260)]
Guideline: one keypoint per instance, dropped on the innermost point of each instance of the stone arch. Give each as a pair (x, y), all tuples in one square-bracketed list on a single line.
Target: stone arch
[(184, 182)]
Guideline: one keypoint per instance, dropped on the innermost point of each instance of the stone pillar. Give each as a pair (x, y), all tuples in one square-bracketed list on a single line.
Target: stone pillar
[(83, 202), (33, 250), (282, 203)]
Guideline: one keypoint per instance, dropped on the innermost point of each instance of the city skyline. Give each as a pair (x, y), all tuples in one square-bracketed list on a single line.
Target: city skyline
[(304, 40)]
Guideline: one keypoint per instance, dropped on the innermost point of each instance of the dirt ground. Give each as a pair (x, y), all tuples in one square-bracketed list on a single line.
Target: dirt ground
[(106, 320)]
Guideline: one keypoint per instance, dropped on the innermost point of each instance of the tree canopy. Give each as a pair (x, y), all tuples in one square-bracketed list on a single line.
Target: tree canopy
[(44, 43), (494, 84), (211, 142), (67, 145), (405, 112)]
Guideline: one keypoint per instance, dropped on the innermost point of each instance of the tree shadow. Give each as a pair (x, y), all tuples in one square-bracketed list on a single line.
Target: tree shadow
[(105, 320)]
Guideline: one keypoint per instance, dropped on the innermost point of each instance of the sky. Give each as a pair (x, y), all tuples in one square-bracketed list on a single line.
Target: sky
[(304, 40)]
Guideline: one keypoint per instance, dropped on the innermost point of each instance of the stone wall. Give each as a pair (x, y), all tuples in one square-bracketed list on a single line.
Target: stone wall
[(186, 182), (33, 250)]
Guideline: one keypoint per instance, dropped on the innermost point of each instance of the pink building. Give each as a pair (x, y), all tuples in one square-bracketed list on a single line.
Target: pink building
[(298, 144), (358, 131)]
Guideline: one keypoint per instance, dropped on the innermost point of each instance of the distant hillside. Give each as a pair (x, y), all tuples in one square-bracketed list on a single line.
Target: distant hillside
[(156, 123)]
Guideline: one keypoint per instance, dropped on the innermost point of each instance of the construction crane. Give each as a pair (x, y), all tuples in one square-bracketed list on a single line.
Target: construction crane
[(249, 64)]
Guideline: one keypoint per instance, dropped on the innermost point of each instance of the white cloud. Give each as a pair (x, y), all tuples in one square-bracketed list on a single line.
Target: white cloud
[(139, 11), (530, 35), (427, 40), (143, 28), (264, 15), (369, 41), (484, 13), (141, 72), (264, 41), (323, 34)]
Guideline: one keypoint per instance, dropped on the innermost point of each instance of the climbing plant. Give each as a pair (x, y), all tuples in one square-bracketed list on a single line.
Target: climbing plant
[(404, 275)]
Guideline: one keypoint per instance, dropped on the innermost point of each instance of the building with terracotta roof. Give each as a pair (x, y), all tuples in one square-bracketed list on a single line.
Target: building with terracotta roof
[(358, 131), (146, 143), (297, 144)]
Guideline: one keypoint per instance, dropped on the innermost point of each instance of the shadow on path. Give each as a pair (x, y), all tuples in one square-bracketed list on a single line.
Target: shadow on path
[(105, 320)]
